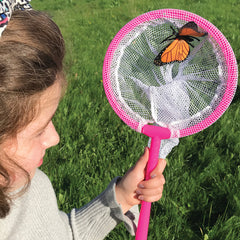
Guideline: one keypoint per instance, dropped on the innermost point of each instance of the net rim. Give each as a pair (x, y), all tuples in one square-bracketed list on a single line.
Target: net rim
[(206, 26)]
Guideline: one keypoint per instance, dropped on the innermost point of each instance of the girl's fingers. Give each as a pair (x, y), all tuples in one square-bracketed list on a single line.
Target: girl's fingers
[(157, 177), (151, 190), (149, 195), (153, 183)]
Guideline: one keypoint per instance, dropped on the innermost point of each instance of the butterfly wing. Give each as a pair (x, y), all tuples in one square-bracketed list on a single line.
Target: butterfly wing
[(190, 29), (178, 50)]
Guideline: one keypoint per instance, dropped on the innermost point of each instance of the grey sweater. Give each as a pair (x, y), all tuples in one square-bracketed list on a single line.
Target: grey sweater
[(35, 215)]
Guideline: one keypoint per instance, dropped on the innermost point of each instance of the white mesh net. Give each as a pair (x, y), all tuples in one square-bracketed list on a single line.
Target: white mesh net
[(177, 95)]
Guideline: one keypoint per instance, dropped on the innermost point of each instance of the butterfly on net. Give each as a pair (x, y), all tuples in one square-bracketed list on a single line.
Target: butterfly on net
[(179, 49)]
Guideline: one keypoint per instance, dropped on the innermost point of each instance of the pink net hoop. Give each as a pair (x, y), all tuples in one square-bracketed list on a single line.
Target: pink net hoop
[(212, 31)]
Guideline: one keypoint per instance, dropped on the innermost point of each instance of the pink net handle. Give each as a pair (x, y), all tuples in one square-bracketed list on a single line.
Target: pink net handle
[(156, 134), (206, 26)]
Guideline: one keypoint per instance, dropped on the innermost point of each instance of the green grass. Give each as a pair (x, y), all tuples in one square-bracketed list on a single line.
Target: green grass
[(201, 198)]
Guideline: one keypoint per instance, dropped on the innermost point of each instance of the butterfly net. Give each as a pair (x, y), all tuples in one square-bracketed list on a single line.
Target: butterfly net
[(177, 95)]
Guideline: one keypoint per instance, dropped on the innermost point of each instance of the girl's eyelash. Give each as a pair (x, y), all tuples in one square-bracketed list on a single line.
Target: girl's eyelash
[(40, 133)]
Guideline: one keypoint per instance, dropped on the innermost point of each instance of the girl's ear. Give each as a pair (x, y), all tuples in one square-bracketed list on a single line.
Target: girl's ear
[(9, 147)]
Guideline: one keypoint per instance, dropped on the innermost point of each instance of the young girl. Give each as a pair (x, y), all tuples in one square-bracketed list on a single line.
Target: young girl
[(31, 85)]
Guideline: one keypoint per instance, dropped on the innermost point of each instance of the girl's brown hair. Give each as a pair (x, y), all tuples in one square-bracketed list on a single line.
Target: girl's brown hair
[(31, 58)]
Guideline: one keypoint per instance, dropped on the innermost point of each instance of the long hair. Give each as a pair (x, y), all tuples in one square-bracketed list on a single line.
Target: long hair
[(31, 57)]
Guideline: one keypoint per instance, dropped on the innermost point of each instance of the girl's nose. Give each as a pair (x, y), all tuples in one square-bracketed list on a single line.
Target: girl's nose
[(51, 137)]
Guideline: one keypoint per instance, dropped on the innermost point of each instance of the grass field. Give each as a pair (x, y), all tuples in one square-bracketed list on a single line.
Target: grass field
[(201, 198)]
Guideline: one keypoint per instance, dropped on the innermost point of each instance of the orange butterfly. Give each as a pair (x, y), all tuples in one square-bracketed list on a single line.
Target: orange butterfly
[(179, 49)]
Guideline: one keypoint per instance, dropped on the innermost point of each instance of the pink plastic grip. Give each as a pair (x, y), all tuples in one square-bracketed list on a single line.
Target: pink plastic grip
[(156, 133)]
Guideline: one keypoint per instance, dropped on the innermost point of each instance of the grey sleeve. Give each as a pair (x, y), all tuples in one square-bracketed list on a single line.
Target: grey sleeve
[(96, 219)]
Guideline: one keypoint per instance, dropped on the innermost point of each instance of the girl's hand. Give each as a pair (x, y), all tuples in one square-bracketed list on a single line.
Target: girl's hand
[(132, 188)]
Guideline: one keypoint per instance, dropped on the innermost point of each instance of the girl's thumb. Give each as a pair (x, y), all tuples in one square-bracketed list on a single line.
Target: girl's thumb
[(143, 160)]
